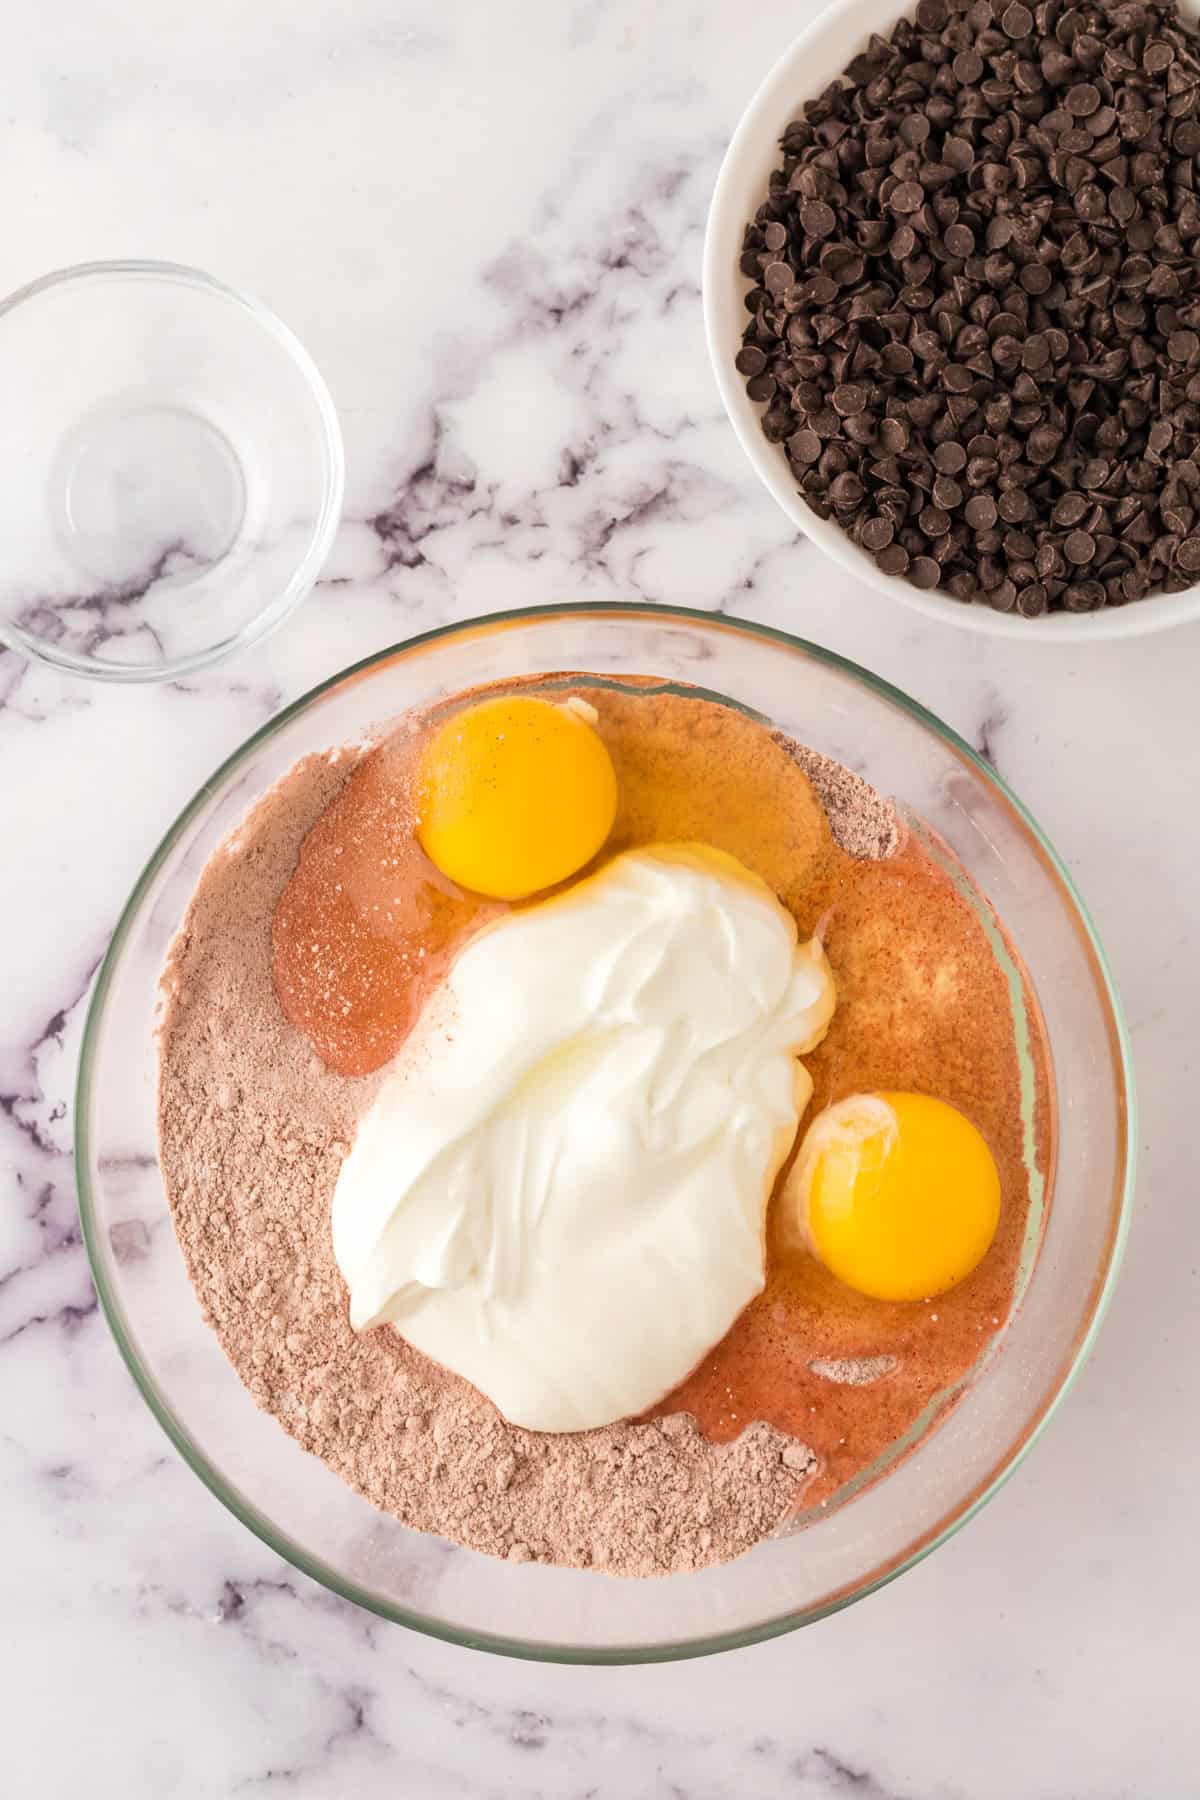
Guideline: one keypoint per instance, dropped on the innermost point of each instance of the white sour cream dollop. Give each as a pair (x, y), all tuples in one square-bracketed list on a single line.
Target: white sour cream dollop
[(560, 1189)]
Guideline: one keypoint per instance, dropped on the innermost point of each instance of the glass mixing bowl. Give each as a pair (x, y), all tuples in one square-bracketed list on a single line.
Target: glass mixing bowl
[(298, 1506)]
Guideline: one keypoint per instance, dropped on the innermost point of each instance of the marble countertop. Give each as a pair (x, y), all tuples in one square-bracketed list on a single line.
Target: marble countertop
[(485, 222)]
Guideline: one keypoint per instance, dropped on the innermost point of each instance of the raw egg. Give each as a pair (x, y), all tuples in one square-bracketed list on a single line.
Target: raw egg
[(897, 1194), (515, 795)]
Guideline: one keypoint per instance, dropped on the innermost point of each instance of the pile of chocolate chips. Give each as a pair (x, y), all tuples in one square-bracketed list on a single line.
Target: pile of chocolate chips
[(975, 323)]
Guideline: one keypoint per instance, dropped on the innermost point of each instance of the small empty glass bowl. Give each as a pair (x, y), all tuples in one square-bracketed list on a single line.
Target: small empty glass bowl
[(171, 470)]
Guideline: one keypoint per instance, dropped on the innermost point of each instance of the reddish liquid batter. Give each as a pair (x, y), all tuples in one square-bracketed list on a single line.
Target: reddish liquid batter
[(365, 929), (367, 926), (922, 1005)]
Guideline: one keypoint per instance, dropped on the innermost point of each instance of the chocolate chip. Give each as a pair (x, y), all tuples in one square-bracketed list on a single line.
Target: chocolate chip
[(1122, 205), (849, 399), (924, 572), (1090, 203), (957, 154), (1161, 433), (1188, 556), (1042, 444), (1082, 100), (841, 265), (805, 446), (1070, 509), (860, 429), (896, 359), (893, 560), (947, 493), (894, 435), (1014, 506), (877, 534), (817, 218), (950, 457), (751, 360), (1016, 20), (980, 512), (1080, 547), (907, 197)]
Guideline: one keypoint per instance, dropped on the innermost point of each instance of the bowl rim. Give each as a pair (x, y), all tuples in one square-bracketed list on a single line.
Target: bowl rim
[(776, 100), (333, 459), (524, 1649)]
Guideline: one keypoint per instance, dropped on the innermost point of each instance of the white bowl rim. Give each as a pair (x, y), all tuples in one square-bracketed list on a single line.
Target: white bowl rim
[(778, 99)]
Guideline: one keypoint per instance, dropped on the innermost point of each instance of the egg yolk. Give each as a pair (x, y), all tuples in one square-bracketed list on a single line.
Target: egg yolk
[(897, 1194), (515, 794)]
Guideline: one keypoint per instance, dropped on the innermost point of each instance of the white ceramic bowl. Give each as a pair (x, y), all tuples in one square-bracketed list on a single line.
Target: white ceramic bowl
[(817, 56)]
